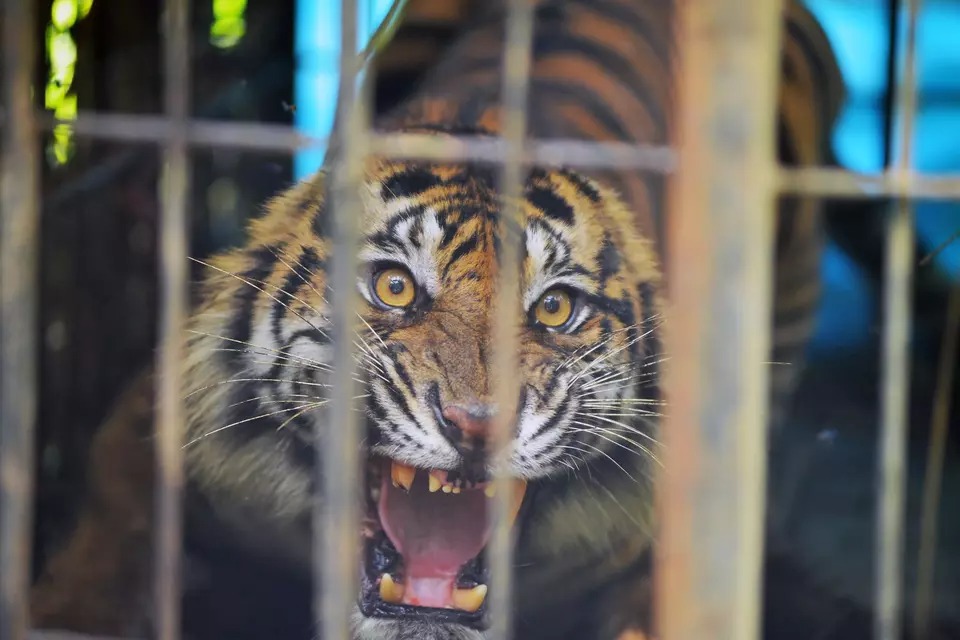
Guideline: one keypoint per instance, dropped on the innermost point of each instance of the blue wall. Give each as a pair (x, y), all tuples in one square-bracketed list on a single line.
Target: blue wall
[(858, 31)]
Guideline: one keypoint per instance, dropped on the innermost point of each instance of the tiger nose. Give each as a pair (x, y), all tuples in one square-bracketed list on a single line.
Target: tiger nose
[(473, 421)]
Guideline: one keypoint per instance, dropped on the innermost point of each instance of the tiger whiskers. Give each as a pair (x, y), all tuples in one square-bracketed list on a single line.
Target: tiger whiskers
[(211, 432), (254, 283), (604, 432)]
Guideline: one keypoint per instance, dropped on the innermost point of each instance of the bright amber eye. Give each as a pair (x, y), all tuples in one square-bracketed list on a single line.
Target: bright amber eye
[(554, 308), (395, 288)]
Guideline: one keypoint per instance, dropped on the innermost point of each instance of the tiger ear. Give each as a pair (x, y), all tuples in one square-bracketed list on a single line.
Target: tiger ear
[(292, 213)]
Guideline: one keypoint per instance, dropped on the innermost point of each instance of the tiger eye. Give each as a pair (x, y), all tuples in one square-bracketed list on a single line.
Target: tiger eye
[(395, 288), (554, 308)]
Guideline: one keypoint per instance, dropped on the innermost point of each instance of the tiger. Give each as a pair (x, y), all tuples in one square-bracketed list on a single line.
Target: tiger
[(584, 450)]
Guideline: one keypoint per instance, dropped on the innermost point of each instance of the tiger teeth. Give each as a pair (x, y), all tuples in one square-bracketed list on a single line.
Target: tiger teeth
[(490, 490), (390, 591), (402, 475), (435, 483), (519, 491), (470, 600)]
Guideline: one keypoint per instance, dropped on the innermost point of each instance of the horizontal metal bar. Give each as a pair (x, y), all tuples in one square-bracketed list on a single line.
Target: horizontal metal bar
[(823, 181), (272, 137), (839, 183), (64, 635), (567, 152), (119, 127)]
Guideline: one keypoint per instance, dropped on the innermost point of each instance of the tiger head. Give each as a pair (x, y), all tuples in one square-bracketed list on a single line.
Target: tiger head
[(587, 322)]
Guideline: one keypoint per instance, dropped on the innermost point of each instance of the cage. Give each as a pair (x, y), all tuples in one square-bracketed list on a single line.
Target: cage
[(712, 491)]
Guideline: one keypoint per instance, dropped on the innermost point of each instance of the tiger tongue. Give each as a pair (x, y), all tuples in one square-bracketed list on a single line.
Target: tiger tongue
[(436, 533)]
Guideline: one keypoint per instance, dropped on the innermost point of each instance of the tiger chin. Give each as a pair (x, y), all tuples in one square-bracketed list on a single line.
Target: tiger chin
[(583, 449)]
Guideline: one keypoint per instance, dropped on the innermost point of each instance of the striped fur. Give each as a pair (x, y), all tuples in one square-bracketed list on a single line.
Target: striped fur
[(259, 352)]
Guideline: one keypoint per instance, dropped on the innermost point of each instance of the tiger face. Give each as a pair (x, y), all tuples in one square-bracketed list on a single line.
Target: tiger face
[(587, 322)]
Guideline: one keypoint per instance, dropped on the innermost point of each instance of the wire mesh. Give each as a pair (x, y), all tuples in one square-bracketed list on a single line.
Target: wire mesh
[(728, 66)]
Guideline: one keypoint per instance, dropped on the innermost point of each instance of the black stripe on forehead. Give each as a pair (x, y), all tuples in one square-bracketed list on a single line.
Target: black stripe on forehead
[(409, 182), (415, 211), (555, 207), (582, 185), (386, 242), (467, 246), (608, 259)]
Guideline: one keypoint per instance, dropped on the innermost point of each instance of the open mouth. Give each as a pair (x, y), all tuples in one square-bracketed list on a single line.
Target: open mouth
[(425, 535)]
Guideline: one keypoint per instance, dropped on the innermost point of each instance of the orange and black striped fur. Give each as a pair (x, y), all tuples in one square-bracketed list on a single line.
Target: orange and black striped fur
[(589, 322)]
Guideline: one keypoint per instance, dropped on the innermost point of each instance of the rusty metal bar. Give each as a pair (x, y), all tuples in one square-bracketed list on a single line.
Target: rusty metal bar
[(825, 181), (712, 494), (933, 478), (65, 635), (272, 137), (895, 383), (336, 517), (894, 395), (19, 231), (839, 183), (518, 43), (173, 286)]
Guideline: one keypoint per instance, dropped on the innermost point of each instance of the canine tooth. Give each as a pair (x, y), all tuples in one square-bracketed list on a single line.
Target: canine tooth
[(434, 483), (519, 490), (490, 490), (402, 475), (469, 599), (390, 591)]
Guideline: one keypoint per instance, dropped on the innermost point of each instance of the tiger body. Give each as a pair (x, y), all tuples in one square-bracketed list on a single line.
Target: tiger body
[(259, 351)]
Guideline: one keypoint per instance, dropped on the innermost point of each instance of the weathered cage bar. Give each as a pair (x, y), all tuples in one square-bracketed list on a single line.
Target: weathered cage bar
[(515, 87), (19, 237), (719, 279), (337, 508), (173, 312), (895, 384)]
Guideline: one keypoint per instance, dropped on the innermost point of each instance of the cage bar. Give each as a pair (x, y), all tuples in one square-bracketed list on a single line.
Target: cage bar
[(173, 312), (337, 509), (895, 383), (839, 183), (719, 277), (19, 237), (518, 42)]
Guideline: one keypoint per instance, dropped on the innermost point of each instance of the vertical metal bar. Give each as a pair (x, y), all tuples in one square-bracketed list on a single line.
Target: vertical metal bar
[(516, 76), (337, 510), (719, 274), (174, 296), (894, 392), (936, 450), (19, 216)]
